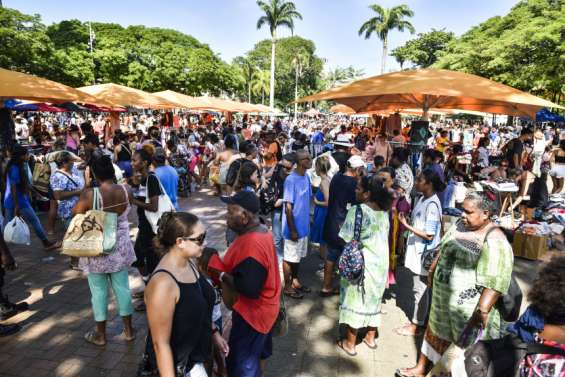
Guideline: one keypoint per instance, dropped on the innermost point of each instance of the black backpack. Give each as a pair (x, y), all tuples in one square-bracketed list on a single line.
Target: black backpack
[(268, 196), (502, 357), (233, 171)]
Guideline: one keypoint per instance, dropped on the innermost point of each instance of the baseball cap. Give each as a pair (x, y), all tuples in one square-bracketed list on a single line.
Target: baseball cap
[(356, 162), (245, 199)]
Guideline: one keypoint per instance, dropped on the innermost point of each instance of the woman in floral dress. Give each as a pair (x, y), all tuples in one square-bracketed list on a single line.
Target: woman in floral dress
[(361, 308), (472, 270)]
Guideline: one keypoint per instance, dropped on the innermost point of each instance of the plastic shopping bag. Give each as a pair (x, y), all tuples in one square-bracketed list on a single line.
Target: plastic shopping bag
[(16, 231)]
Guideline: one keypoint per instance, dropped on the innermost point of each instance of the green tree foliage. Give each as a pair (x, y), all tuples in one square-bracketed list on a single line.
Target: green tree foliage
[(340, 76), (287, 49), (423, 51), (524, 49), (386, 20), (151, 59), (24, 46)]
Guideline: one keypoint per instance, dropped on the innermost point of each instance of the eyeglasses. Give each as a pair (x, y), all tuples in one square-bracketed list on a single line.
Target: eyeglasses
[(197, 240)]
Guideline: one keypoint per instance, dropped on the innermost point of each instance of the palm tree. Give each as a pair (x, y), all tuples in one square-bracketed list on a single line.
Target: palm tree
[(300, 61), (277, 13), (387, 19), (247, 69), (339, 76), (260, 84)]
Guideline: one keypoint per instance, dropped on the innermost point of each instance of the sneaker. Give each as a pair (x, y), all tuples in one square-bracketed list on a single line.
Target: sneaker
[(6, 330), (8, 309)]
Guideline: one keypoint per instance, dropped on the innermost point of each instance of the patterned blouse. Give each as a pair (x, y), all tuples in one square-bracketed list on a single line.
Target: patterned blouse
[(63, 181), (467, 264)]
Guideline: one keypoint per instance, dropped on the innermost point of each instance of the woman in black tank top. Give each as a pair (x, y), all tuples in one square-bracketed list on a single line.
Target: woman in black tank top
[(180, 301)]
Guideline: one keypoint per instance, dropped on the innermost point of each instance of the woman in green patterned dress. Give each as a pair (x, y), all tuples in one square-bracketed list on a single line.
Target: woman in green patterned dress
[(473, 268), (357, 309)]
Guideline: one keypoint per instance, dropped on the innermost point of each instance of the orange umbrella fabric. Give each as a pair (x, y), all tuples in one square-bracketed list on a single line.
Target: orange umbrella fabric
[(431, 88), (187, 101), (28, 87), (124, 96)]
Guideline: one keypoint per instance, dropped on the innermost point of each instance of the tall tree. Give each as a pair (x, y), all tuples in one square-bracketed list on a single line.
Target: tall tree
[(387, 19), (299, 62), (339, 76), (277, 13), (285, 71), (424, 50), (247, 69), (260, 84)]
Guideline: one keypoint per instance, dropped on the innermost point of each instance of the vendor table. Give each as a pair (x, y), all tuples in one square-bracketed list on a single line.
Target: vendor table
[(505, 197)]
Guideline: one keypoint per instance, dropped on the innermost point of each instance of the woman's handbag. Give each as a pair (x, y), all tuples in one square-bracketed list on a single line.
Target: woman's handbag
[(165, 205), (93, 233), (429, 254), (351, 264)]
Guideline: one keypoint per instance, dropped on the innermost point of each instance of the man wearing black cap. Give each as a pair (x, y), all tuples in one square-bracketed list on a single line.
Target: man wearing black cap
[(251, 286)]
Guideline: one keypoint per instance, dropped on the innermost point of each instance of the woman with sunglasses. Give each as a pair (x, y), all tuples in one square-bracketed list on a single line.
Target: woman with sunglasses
[(180, 300), (111, 269)]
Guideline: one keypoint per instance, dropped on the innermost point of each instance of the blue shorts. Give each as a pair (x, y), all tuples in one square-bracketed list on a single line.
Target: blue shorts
[(247, 348), (333, 253)]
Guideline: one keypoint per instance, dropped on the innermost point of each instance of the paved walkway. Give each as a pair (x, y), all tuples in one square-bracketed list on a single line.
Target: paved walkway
[(51, 342)]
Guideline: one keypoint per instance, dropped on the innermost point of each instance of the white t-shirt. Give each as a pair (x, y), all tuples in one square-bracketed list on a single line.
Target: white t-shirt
[(426, 216)]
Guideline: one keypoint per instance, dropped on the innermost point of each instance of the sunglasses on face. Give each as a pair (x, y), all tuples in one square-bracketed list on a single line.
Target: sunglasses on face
[(197, 240)]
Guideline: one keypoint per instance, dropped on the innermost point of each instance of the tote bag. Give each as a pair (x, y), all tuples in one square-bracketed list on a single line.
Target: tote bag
[(165, 205), (93, 233)]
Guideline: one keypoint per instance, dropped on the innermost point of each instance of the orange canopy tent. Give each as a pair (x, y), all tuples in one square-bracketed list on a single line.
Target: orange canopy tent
[(124, 96), (189, 102), (431, 88), (342, 109), (28, 87)]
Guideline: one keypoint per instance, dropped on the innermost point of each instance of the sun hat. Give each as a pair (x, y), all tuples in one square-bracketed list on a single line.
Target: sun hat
[(343, 141)]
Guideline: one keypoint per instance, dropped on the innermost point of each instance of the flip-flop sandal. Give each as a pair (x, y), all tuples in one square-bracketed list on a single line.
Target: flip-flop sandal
[(399, 373), (404, 332), (333, 292), (373, 347), (294, 294), (303, 289), (340, 345), (55, 246), (123, 336), (90, 337)]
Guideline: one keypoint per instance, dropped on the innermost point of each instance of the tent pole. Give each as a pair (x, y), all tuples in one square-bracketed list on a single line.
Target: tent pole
[(425, 108)]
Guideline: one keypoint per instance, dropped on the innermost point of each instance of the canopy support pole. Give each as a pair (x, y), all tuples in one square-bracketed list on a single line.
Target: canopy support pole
[(425, 108)]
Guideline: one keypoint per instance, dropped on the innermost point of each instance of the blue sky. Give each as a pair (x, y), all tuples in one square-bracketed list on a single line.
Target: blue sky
[(229, 26)]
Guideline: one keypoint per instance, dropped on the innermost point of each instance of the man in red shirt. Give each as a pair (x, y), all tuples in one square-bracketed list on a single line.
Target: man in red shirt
[(251, 286)]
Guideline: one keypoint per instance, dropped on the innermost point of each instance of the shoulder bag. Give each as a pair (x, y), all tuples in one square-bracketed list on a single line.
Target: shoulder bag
[(93, 233), (429, 254), (165, 205), (352, 262)]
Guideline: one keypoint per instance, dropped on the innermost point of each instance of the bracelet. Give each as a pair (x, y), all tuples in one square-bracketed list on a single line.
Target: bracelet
[(221, 276), (483, 312)]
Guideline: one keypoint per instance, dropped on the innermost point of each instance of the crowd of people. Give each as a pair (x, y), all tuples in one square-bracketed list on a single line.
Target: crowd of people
[(367, 199)]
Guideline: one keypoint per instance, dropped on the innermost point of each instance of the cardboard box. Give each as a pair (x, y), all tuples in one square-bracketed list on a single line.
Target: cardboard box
[(529, 246)]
